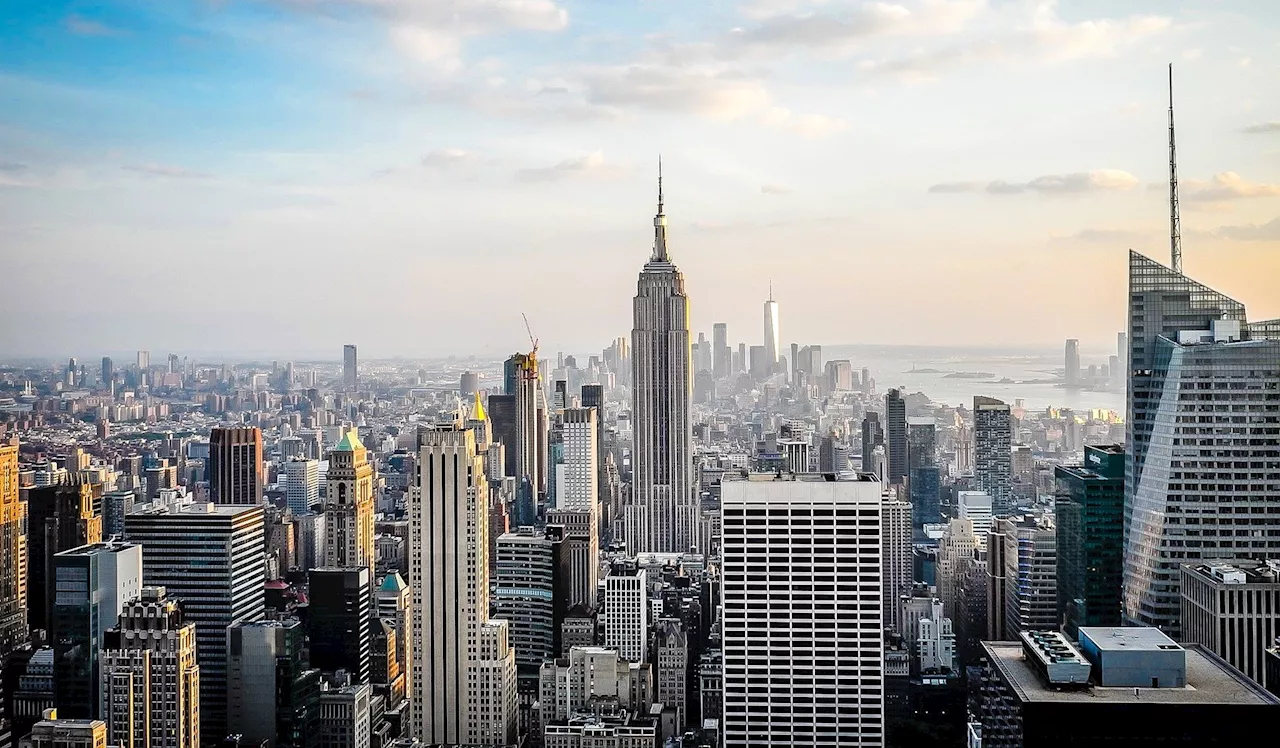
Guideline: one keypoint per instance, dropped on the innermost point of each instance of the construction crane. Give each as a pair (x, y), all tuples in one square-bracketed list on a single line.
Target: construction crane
[(530, 368)]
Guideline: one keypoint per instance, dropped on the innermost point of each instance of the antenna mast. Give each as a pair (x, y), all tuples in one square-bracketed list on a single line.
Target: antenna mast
[(1175, 223)]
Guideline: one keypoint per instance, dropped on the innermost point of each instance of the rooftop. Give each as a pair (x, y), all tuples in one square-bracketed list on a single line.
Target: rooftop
[(1233, 572), (109, 546), (1210, 680), (1128, 638)]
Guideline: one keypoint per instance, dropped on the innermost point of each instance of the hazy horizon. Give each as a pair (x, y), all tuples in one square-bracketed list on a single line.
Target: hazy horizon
[(282, 177)]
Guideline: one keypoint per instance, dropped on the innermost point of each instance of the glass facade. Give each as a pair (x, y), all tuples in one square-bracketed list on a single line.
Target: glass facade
[(1089, 510), (1203, 475)]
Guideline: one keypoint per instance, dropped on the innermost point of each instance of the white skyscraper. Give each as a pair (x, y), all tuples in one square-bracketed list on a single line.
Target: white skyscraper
[(814, 544), (578, 503), (896, 558), (771, 332), (302, 485), (464, 671), (976, 506), (626, 614), (664, 510)]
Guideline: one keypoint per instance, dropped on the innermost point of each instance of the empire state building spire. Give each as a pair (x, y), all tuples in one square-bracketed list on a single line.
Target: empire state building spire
[(660, 226)]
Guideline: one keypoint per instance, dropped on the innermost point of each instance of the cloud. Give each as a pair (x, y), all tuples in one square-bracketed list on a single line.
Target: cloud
[(590, 166), (1049, 184), (955, 187), (1224, 186), (805, 125), (775, 189), (1263, 128), (12, 166), (716, 93), (447, 158), (1266, 232), (81, 26), (1106, 236), (165, 171), (785, 25), (1042, 37)]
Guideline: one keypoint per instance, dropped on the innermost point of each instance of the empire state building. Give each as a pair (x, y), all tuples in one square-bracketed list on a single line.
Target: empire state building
[(663, 511)]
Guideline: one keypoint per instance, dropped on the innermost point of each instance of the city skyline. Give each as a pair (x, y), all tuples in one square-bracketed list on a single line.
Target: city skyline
[(830, 164)]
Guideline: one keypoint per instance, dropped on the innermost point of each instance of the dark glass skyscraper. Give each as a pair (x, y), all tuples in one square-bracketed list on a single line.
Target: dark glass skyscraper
[(923, 477), (1089, 511), (340, 619), (895, 418), (1203, 433), (235, 465), (993, 451)]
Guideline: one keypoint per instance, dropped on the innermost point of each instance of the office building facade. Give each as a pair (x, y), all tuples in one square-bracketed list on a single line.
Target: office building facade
[(626, 610), (823, 684), (1233, 608), (1203, 385), (302, 485), (1089, 514), (340, 619), (993, 451), (13, 554), (348, 505), (235, 465), (211, 557), (895, 421), (274, 698)]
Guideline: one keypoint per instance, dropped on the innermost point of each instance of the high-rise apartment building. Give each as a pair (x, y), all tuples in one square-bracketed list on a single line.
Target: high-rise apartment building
[(1073, 363), (814, 544), (211, 557), (91, 586), (340, 619), (771, 348), (460, 657), (626, 613), (302, 485), (1202, 431), (348, 505), (895, 420), (993, 451), (896, 559), (350, 374), (664, 511), (1233, 609), (1089, 513), (524, 386), (13, 554), (150, 693), (235, 465)]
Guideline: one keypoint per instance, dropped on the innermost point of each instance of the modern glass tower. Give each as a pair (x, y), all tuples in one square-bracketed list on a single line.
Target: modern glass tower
[(1089, 510), (664, 509), (1201, 479)]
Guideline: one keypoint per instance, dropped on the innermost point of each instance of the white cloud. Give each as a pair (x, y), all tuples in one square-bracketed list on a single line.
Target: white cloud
[(81, 26), (1253, 232), (1263, 128), (1227, 185), (165, 171), (447, 158), (1098, 180), (590, 166), (806, 125), (775, 189), (710, 92)]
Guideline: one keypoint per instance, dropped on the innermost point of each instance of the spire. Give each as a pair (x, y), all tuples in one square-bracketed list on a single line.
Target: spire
[(660, 225), (1175, 223), (477, 411), (771, 289)]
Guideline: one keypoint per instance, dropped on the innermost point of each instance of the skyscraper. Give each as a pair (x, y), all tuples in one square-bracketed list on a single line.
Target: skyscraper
[(872, 437), (1201, 432), (108, 371), (348, 505), (274, 698), (350, 374), (531, 594), (665, 509), (1073, 363), (525, 450), (895, 417), (770, 333), (923, 476), (460, 657), (1089, 512), (59, 518), (92, 583), (235, 465), (722, 355), (302, 485), (339, 620), (212, 558), (626, 610), (896, 559), (814, 543), (13, 554), (150, 695), (993, 451)]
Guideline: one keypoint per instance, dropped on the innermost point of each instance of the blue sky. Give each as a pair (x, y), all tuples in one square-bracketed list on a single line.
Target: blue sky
[(413, 174)]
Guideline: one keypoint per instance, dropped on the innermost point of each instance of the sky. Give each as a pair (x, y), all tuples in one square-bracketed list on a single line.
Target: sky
[(281, 177)]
